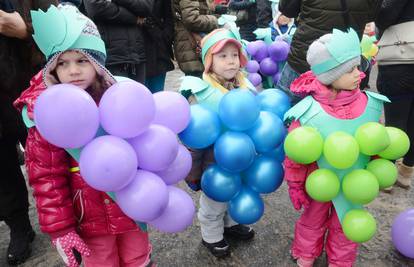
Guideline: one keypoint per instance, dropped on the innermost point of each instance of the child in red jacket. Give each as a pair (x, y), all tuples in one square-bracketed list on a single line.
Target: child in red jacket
[(77, 217), (333, 84)]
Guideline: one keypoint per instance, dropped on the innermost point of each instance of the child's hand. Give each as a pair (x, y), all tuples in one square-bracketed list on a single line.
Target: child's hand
[(298, 196), (67, 244)]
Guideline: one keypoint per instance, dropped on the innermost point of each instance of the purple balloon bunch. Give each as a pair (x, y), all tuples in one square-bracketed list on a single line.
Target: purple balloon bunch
[(248, 149), (266, 60), (134, 154)]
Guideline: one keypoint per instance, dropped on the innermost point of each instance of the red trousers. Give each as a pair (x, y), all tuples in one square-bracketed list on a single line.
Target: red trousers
[(310, 230), (131, 249)]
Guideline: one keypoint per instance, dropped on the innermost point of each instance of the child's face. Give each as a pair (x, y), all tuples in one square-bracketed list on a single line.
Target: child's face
[(283, 20), (226, 63), (348, 81), (75, 68)]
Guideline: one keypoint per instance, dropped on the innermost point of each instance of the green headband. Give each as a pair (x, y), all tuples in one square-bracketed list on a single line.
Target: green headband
[(221, 35), (343, 46), (61, 29)]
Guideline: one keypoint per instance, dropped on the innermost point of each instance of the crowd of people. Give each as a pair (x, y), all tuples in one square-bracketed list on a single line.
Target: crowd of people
[(140, 40)]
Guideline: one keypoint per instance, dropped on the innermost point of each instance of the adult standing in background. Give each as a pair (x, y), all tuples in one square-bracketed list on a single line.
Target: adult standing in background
[(19, 60), (158, 36), (314, 19), (245, 11), (120, 24), (263, 13), (192, 20), (396, 81)]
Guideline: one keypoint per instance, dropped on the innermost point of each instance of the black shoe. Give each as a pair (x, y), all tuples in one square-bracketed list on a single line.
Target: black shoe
[(19, 248), (239, 231), (219, 249)]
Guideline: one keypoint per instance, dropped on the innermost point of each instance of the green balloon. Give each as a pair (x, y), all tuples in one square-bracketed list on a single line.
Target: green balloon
[(341, 150), (360, 186), (399, 145), (322, 185), (359, 225), (372, 138), (304, 145), (385, 171)]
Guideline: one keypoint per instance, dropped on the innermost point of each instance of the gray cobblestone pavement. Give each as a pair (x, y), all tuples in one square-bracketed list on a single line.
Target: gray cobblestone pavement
[(270, 247)]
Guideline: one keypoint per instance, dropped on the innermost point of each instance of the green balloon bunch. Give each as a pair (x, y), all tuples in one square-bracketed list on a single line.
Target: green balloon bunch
[(341, 150)]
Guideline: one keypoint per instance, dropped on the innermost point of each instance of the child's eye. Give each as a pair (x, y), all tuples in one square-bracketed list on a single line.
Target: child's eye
[(222, 55), (83, 60), (61, 63)]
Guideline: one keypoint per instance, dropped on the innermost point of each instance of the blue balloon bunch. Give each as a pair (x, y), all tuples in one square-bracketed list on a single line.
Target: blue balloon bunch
[(247, 134)]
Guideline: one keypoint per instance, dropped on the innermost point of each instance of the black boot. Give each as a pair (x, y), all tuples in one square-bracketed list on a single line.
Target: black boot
[(219, 249), (19, 247), (21, 235), (239, 231)]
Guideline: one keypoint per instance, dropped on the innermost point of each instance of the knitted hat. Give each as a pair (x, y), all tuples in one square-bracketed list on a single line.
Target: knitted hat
[(215, 41), (333, 55), (65, 28)]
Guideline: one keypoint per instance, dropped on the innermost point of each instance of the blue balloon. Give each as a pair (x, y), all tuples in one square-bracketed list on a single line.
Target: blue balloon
[(203, 129), (239, 110), (234, 151), (265, 175), (219, 184), (278, 153), (246, 207), (267, 132), (275, 101)]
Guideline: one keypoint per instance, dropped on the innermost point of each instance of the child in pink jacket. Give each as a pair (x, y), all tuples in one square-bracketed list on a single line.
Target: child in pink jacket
[(336, 89)]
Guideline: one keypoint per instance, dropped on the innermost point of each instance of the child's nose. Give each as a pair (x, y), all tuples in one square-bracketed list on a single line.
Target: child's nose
[(73, 69)]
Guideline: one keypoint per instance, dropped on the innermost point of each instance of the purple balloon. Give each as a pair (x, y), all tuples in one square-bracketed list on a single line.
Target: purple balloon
[(179, 168), (126, 109), (261, 54), (171, 110), (255, 78), (66, 116), (268, 67), (279, 50), (402, 233), (252, 47), (252, 66), (145, 198), (108, 163), (276, 78), (179, 212), (156, 148)]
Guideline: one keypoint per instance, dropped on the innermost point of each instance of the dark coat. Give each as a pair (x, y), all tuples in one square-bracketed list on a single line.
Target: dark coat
[(159, 36), (315, 18), (190, 17), (245, 10), (264, 13), (118, 26), (19, 61)]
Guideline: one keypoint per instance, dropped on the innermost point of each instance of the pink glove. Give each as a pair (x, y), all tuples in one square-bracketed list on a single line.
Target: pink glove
[(67, 244), (298, 196)]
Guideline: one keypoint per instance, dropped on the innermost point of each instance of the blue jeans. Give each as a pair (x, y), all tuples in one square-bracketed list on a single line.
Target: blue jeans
[(156, 83), (287, 77)]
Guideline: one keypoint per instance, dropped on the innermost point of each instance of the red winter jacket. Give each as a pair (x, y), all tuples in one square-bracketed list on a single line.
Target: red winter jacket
[(64, 201)]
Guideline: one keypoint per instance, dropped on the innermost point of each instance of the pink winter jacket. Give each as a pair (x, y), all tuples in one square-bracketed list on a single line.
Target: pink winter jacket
[(343, 105)]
